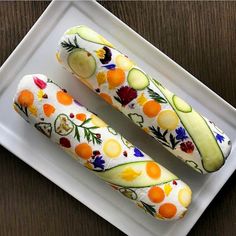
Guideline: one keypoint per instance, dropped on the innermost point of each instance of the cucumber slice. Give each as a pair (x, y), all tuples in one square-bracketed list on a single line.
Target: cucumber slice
[(135, 175), (181, 105), (82, 63), (201, 134), (137, 79), (88, 34)]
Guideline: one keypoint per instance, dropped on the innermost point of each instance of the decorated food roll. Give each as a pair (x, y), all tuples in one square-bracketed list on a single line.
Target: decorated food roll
[(162, 114), (94, 144)]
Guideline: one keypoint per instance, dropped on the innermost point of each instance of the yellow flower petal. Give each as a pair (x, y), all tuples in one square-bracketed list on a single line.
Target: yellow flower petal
[(15, 108), (58, 57), (101, 78), (167, 189), (141, 99), (130, 174), (40, 94), (33, 110), (101, 53), (88, 165), (146, 129)]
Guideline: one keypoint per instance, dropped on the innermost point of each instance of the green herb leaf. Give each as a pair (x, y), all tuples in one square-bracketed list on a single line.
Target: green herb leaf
[(161, 137), (173, 141), (149, 208), (70, 46), (23, 109), (155, 96)]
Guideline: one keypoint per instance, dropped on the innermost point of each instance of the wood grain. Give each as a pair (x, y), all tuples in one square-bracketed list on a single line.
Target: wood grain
[(200, 36)]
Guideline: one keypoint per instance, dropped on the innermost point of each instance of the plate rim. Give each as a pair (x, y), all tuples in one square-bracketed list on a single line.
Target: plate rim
[(14, 55)]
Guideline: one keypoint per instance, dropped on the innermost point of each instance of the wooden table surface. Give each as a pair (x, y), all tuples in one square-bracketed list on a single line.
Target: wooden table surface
[(200, 36)]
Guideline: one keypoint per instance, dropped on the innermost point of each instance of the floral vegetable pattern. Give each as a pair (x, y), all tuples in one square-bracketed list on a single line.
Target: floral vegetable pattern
[(98, 147), (161, 114)]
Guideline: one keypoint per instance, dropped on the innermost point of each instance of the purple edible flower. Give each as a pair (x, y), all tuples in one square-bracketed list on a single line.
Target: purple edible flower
[(110, 66), (98, 162), (220, 138), (181, 134), (138, 153)]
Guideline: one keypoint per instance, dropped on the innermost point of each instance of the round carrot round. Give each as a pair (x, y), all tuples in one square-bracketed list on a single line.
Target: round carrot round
[(156, 194), (48, 109), (64, 98), (115, 77), (151, 108), (26, 98), (153, 170), (167, 210), (106, 97), (84, 150), (81, 116)]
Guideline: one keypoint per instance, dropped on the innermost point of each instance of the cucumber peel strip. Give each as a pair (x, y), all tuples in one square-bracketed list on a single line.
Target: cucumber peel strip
[(212, 157), (114, 175)]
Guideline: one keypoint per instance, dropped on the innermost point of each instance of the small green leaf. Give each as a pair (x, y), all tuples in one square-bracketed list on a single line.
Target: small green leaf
[(173, 141), (161, 137), (155, 96), (149, 208), (85, 122), (70, 46)]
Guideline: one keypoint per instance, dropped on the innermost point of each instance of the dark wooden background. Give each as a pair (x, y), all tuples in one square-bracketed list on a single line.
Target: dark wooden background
[(200, 36)]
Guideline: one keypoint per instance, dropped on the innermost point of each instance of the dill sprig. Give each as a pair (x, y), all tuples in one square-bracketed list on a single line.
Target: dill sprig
[(157, 97), (88, 133), (70, 46)]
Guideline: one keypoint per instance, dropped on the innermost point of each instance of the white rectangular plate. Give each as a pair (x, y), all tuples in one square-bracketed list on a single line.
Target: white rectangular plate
[(36, 54)]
